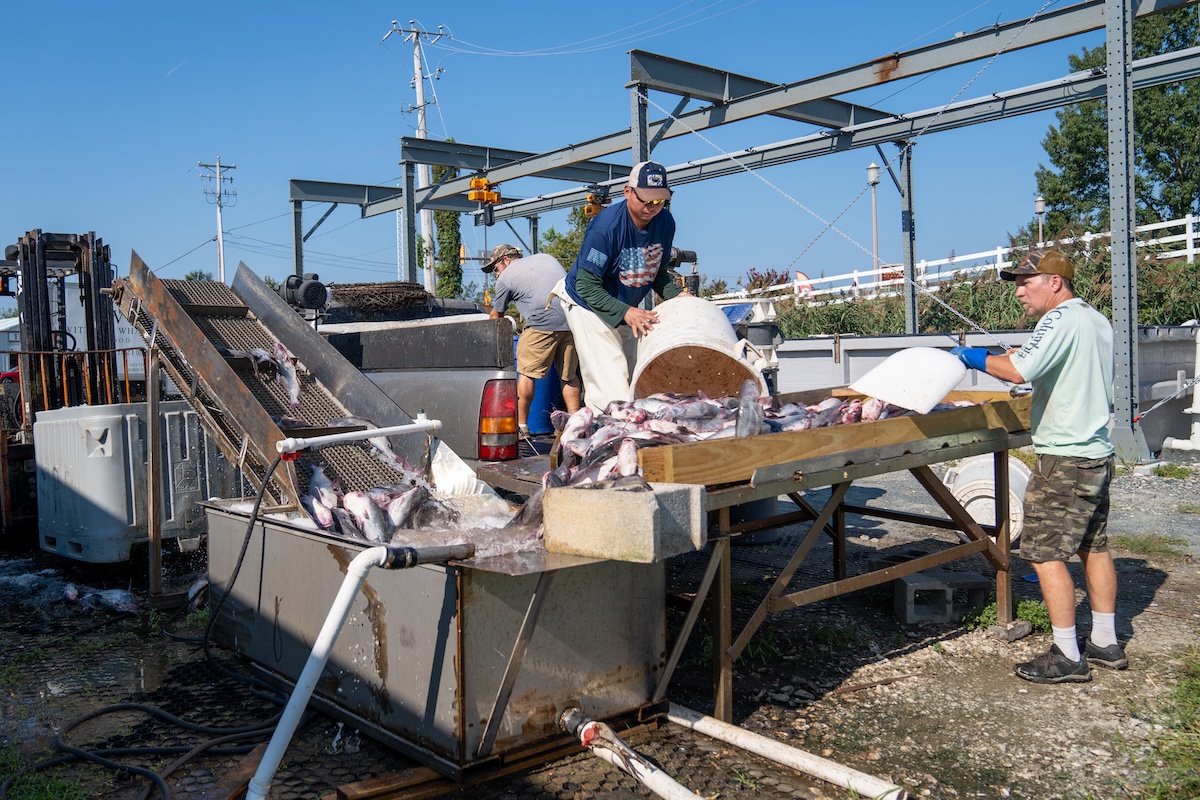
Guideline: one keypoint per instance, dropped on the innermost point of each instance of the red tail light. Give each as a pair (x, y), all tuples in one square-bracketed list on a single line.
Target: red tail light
[(498, 421)]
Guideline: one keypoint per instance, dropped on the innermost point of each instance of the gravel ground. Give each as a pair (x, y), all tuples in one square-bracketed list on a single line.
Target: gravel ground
[(930, 706)]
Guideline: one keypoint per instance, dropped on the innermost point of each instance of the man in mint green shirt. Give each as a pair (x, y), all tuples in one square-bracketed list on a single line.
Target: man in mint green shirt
[(1069, 362)]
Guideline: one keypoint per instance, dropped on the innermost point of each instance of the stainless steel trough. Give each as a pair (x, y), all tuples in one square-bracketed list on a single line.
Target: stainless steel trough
[(457, 665)]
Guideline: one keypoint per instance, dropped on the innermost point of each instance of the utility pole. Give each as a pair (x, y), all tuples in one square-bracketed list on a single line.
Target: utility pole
[(219, 193), (424, 173)]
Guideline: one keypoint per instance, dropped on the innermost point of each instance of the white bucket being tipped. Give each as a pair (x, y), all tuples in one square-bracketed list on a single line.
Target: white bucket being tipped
[(693, 349), (916, 378)]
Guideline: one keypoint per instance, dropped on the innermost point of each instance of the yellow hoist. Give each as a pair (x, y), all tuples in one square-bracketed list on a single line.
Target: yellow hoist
[(597, 199)]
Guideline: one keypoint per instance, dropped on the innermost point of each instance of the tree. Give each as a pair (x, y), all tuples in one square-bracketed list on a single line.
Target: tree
[(1166, 138), (565, 246), (449, 243), (199, 275)]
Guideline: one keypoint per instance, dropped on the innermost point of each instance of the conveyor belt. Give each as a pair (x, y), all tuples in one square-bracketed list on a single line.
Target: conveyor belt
[(242, 407)]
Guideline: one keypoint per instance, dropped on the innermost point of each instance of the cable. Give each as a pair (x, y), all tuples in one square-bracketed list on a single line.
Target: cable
[(185, 255), (572, 49), (830, 224), (157, 780)]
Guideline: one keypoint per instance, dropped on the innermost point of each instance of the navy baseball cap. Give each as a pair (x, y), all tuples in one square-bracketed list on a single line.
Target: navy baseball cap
[(651, 176)]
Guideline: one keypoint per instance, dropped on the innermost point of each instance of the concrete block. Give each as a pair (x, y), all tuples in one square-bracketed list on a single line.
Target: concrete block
[(923, 598), (625, 525), (939, 596), (1017, 629)]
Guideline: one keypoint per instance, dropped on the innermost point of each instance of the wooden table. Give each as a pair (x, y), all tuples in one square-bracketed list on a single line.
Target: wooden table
[(739, 471)]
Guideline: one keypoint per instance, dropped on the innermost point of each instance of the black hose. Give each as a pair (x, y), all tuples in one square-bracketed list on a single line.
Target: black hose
[(157, 780), (215, 612)]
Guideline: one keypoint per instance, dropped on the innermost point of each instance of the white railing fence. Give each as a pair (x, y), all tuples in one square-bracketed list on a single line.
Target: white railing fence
[(889, 278)]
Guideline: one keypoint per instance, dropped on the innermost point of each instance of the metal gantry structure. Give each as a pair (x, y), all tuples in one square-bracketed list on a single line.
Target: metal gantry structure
[(728, 97)]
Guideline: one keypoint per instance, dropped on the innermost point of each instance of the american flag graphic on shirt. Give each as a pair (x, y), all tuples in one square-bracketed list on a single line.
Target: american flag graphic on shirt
[(637, 266)]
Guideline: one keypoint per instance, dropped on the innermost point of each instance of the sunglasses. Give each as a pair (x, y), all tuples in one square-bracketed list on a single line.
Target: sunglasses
[(651, 203)]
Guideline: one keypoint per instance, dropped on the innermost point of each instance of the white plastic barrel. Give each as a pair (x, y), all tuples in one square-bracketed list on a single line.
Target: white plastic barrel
[(972, 482), (692, 349)]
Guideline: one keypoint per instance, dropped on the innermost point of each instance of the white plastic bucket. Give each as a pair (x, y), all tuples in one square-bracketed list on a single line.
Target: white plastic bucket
[(973, 483), (916, 378), (693, 349)]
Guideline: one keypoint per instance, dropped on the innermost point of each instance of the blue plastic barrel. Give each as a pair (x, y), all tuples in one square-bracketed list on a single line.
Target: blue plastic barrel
[(547, 396)]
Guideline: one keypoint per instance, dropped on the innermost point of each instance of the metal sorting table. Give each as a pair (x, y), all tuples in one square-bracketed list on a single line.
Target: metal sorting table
[(464, 666), (739, 471)]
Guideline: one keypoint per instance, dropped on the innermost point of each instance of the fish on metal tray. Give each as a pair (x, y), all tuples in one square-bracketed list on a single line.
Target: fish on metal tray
[(256, 356), (320, 485), (368, 515), (345, 523), (531, 511), (400, 509), (382, 448), (286, 373), (320, 513)]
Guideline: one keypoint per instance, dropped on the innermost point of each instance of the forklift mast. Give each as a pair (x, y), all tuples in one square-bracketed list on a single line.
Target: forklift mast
[(43, 263)]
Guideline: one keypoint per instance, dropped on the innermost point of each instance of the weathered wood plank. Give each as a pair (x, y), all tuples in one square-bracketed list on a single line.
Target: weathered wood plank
[(734, 460)]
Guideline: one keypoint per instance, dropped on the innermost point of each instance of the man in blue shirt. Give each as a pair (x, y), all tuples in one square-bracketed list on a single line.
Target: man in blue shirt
[(622, 259), (1069, 361)]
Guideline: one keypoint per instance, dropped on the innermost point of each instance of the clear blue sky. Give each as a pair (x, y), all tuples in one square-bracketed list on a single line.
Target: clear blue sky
[(110, 107)]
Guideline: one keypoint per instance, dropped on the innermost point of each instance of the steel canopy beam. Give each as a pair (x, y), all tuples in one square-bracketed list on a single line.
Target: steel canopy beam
[(712, 85), (1050, 26), (371, 200), (481, 158), (1074, 88)]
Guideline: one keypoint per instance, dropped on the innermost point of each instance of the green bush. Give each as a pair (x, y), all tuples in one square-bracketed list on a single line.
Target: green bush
[(1168, 294), (1033, 611)]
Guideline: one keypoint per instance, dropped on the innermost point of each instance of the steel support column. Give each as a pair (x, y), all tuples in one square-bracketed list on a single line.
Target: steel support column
[(298, 236), (639, 123), (908, 231), (410, 223), (1127, 435)]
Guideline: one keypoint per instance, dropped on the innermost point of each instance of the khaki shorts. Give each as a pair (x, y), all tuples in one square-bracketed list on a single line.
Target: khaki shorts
[(1066, 508), (538, 350)]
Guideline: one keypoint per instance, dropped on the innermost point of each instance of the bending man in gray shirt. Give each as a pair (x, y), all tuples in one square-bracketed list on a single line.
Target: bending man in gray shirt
[(546, 340)]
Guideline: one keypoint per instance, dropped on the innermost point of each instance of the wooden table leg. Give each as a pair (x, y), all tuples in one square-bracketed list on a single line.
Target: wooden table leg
[(722, 624), (1004, 595)]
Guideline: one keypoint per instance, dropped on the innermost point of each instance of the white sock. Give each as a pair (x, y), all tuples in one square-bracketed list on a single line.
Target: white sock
[(1104, 629), (1066, 641)]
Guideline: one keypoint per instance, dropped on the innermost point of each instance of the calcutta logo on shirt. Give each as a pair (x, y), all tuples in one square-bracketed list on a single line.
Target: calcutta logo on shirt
[(637, 266)]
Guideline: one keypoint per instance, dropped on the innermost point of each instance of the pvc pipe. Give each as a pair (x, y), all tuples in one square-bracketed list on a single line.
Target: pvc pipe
[(296, 443), (829, 771), (606, 745), (356, 573)]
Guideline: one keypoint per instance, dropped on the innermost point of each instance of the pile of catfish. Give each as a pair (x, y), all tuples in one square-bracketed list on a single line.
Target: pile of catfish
[(590, 442), (377, 514), (595, 450)]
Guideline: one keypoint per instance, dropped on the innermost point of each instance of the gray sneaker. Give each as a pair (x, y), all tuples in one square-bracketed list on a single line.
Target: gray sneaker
[(1054, 667), (1111, 657)]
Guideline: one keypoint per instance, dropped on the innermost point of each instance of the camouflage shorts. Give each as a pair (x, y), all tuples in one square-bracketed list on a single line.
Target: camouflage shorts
[(1066, 508)]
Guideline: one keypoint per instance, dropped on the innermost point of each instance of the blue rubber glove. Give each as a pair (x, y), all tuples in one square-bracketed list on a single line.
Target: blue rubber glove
[(973, 357)]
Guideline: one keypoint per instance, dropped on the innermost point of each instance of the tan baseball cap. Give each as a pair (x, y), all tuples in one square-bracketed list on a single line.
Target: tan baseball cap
[(1050, 262), (499, 252)]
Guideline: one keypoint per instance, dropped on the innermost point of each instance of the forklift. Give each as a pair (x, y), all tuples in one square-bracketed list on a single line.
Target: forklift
[(55, 368)]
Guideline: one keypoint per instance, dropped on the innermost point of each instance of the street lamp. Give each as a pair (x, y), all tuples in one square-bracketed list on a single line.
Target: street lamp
[(1039, 208), (873, 180)]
